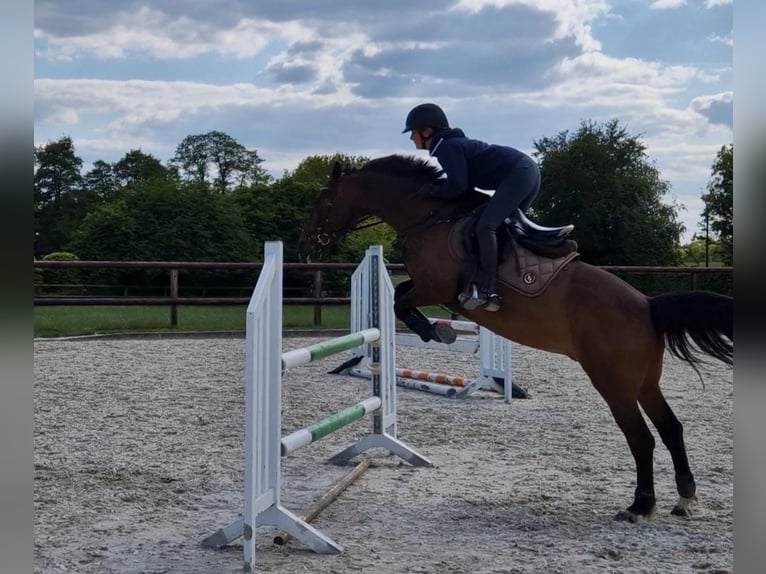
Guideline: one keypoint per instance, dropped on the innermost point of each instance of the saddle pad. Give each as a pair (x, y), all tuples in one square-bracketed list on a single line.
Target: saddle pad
[(524, 271)]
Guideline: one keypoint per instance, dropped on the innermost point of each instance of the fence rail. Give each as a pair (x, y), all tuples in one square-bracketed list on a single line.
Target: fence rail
[(173, 300)]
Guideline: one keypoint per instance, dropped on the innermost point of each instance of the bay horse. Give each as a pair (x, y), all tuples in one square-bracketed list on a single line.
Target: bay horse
[(616, 333)]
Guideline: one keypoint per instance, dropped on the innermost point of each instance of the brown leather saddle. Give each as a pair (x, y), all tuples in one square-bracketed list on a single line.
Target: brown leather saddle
[(523, 267)]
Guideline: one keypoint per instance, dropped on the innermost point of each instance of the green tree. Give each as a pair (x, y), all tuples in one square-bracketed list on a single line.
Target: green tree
[(315, 169), (137, 166), (275, 212), (719, 203), (217, 158), (192, 157), (697, 252), (162, 220), (61, 276), (59, 201), (600, 179), (57, 171), (101, 180)]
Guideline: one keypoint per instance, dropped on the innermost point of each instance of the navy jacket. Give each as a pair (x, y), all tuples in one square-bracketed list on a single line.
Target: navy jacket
[(468, 163)]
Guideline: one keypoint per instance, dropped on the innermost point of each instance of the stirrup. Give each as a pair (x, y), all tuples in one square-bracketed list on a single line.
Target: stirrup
[(472, 299), (493, 302)]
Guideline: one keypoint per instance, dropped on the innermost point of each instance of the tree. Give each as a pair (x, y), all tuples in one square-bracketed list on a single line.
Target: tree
[(57, 171), (275, 212), (719, 203), (218, 155), (101, 180), (601, 179), (137, 166), (59, 202), (192, 157), (164, 220), (314, 169), (698, 252)]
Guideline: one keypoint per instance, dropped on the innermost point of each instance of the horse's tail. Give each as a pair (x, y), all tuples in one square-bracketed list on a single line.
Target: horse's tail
[(705, 318)]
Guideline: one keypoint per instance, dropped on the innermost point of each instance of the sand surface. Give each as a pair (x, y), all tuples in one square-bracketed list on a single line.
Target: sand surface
[(138, 456)]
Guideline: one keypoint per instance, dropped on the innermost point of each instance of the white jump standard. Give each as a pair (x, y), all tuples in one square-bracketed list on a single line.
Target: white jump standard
[(495, 371), (264, 366)]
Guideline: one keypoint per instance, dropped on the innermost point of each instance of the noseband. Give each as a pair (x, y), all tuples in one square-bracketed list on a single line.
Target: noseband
[(324, 238)]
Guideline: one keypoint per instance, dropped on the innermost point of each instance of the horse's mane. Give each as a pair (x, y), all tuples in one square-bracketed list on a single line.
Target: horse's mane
[(421, 171), (401, 166)]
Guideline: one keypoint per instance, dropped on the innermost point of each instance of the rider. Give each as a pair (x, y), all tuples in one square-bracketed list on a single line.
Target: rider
[(470, 163)]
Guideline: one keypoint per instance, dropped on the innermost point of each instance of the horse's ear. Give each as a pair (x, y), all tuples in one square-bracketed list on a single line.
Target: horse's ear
[(337, 170)]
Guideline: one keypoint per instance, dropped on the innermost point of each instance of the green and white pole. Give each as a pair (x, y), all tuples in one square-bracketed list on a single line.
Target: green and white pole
[(297, 357), (328, 425)]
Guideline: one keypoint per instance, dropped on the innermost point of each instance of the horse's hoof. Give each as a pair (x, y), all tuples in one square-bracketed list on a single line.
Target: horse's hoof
[(633, 515), (626, 516), (684, 507), (443, 333)]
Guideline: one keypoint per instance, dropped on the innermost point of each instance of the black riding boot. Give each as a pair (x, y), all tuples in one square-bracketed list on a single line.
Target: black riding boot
[(485, 296)]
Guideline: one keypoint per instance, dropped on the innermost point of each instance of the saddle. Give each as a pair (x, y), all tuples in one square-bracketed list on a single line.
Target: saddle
[(525, 265)]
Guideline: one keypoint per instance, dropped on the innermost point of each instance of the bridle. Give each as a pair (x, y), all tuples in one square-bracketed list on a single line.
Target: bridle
[(323, 238)]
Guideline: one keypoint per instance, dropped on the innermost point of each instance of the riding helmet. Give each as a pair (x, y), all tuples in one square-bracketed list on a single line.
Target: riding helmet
[(425, 116)]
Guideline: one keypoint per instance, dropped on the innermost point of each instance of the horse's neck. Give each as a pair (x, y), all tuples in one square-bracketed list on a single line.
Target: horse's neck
[(393, 201), (396, 202)]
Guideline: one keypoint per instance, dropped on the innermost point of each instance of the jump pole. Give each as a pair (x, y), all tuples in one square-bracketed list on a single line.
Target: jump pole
[(403, 381), (327, 498)]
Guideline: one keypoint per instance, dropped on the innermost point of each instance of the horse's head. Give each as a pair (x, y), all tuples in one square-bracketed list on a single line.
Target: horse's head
[(331, 216)]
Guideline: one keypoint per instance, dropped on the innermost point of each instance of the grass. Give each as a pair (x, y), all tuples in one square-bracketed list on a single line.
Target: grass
[(59, 321)]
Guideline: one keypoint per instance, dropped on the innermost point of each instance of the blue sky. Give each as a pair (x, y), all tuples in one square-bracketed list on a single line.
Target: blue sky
[(292, 78)]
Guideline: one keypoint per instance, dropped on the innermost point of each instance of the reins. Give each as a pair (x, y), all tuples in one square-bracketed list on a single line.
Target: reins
[(366, 225)]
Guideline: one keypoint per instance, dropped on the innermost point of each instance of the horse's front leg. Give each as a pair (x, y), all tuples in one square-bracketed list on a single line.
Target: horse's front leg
[(406, 301)]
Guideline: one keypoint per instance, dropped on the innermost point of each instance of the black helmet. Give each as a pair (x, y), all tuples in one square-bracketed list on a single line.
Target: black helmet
[(425, 116)]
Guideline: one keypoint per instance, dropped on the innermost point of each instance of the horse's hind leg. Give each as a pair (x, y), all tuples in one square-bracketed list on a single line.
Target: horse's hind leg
[(672, 434), (406, 311), (641, 442)]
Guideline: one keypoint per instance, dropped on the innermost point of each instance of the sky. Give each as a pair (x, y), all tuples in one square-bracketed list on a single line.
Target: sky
[(293, 78)]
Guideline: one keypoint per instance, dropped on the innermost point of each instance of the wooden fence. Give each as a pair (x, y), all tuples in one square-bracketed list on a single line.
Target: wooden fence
[(317, 298)]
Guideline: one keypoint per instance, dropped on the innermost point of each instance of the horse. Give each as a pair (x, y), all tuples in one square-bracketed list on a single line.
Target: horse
[(617, 334)]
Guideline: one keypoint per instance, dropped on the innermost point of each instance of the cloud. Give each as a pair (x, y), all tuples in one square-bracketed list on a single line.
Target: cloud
[(725, 40), (667, 4), (714, 3), (158, 34), (292, 72), (717, 108)]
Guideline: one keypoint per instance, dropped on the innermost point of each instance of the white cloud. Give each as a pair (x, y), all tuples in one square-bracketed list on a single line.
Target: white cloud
[(623, 85), (161, 36), (717, 108), (714, 3), (574, 17), (725, 40), (666, 4)]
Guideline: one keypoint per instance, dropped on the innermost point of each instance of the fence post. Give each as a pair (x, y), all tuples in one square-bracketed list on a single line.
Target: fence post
[(694, 281), (317, 293), (174, 294)]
